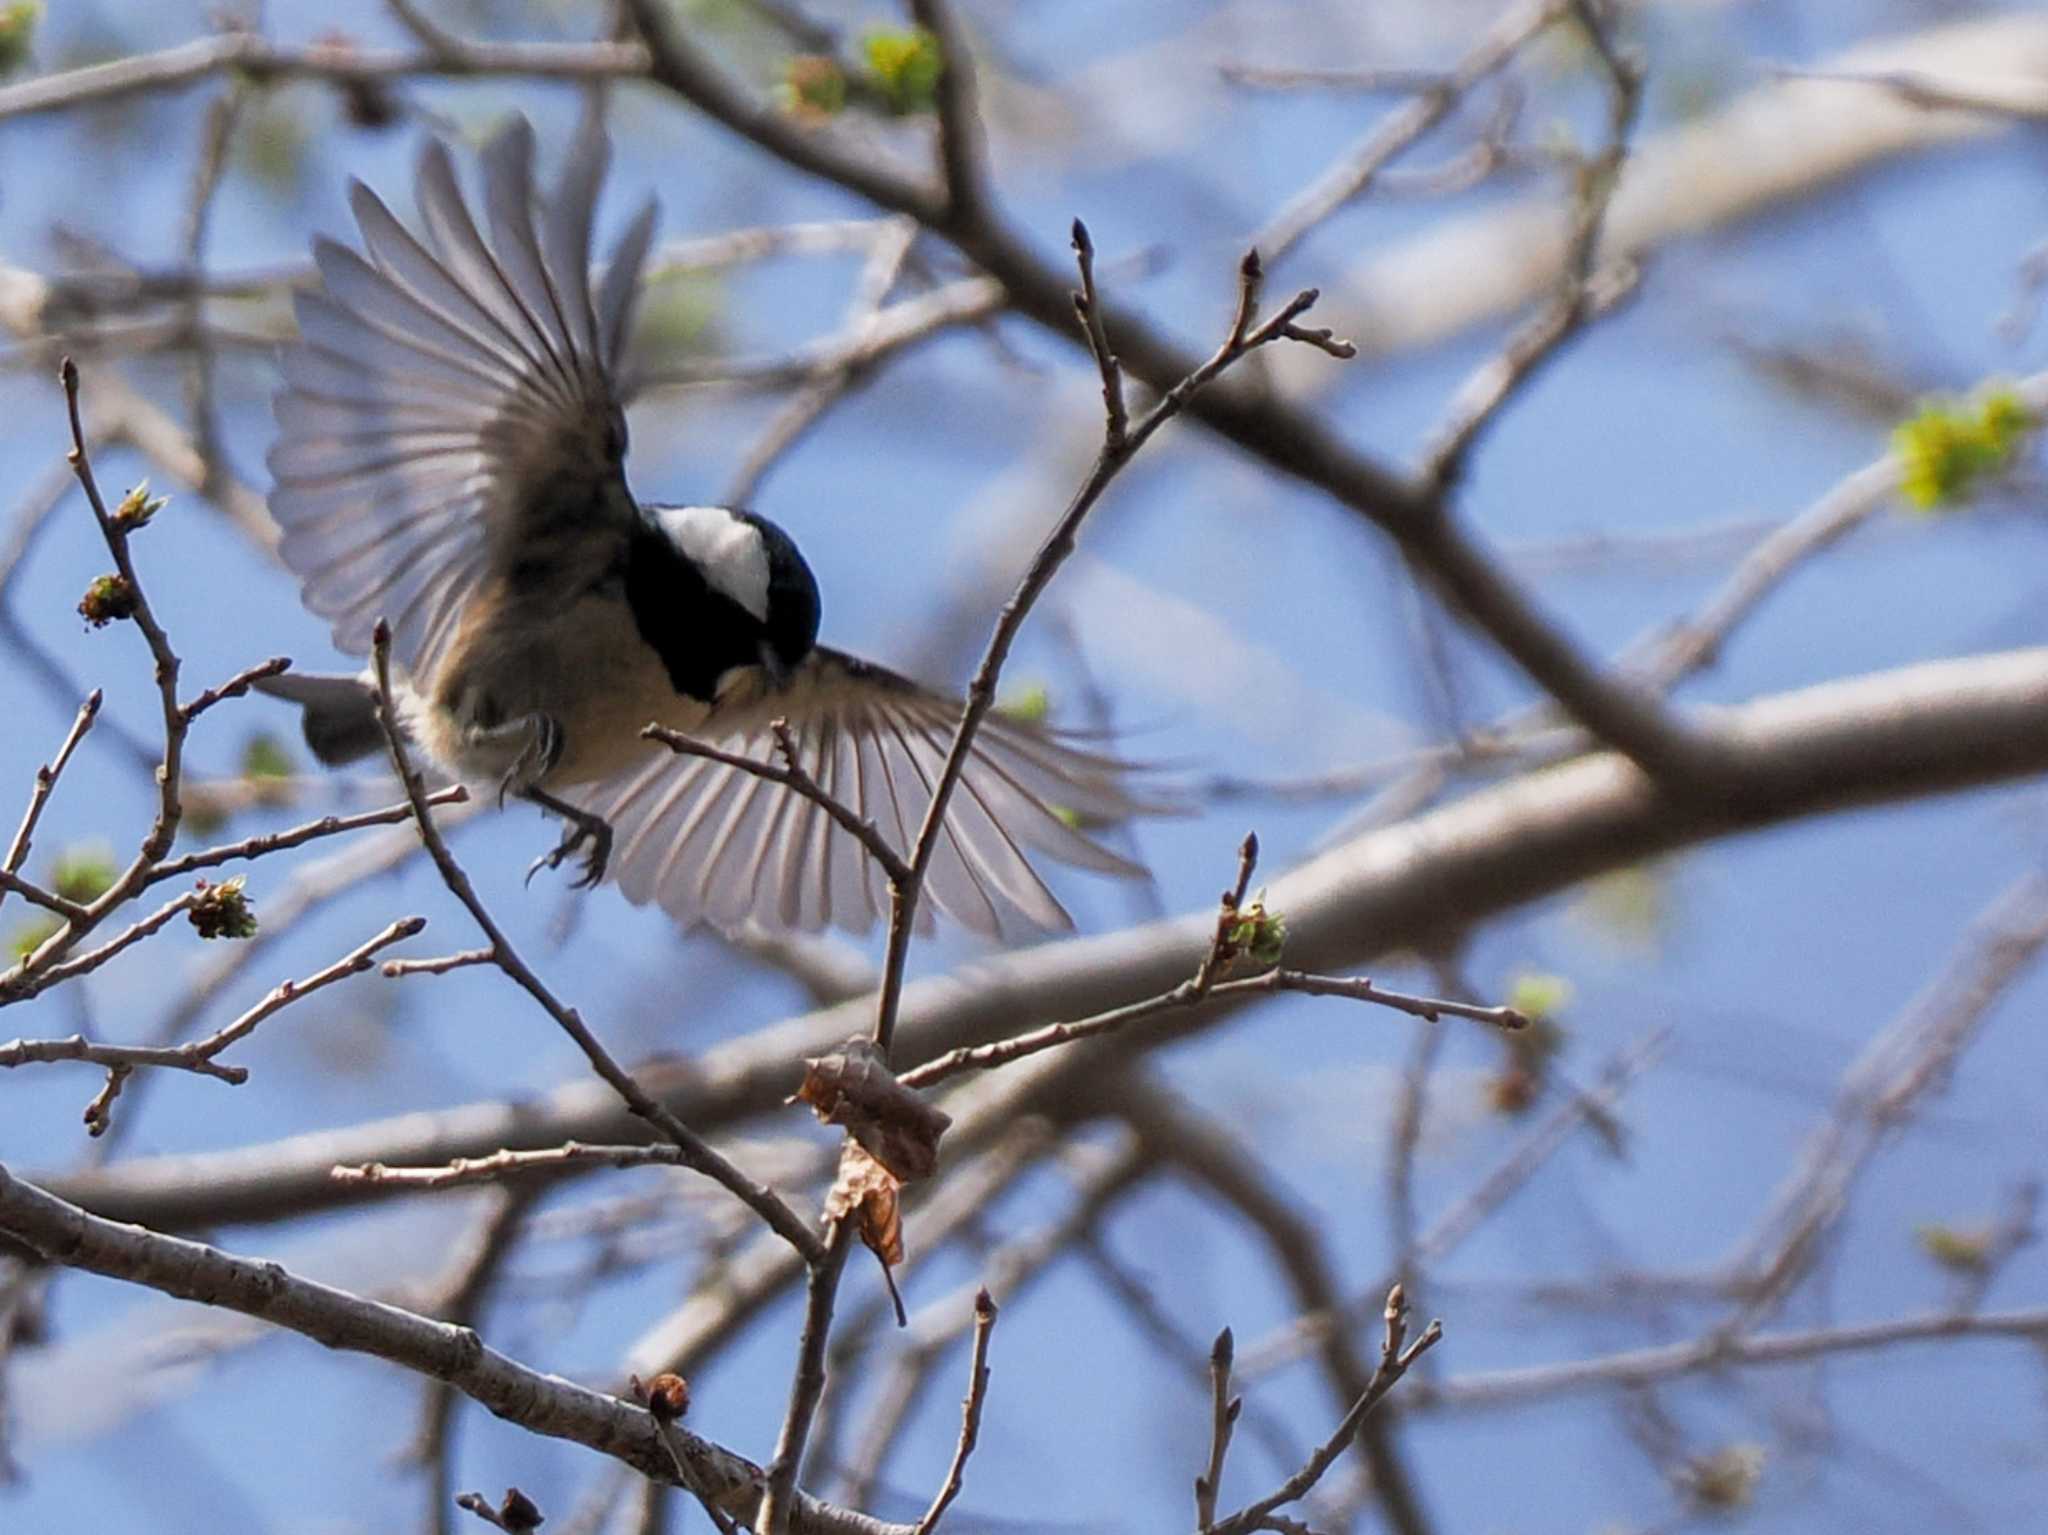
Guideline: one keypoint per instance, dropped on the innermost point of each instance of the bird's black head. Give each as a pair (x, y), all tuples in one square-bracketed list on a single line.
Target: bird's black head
[(791, 629), (714, 588)]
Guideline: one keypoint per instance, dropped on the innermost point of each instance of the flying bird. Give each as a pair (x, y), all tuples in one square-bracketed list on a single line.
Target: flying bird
[(450, 459)]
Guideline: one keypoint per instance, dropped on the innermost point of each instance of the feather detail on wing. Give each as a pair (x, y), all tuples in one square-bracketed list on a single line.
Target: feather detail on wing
[(716, 844), (452, 396)]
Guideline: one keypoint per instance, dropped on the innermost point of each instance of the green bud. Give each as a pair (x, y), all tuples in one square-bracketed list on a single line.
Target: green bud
[(1029, 705), (813, 86), (108, 599), (1537, 996), (1257, 937), (906, 65), (31, 934), (268, 769), (17, 30), (138, 506), (223, 911), (1948, 447), (1967, 1251), (84, 872)]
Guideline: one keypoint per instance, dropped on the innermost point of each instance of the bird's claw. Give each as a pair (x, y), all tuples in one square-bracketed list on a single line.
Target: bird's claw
[(582, 829)]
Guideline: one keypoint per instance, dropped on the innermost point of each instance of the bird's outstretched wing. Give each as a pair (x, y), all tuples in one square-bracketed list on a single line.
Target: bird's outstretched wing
[(451, 405), (714, 843)]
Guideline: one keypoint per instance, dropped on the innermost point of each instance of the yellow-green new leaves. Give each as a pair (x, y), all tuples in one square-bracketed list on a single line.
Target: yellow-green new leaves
[(138, 506), (223, 910), (1255, 938), (813, 86), (108, 600), (17, 30), (905, 64), (1539, 996), (1965, 1250), (31, 933), (1948, 447), (1030, 704), (82, 873)]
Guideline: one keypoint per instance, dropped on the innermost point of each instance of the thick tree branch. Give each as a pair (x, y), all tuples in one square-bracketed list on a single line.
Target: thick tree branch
[(543, 1404), (1886, 737)]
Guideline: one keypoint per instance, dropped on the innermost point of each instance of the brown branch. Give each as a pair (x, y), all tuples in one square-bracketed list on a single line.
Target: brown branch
[(1223, 1413), (236, 686), (506, 1165), (2015, 96), (46, 782), (247, 53), (1884, 738), (1119, 446), (1432, 100), (1200, 1147), (1190, 994), (1584, 294), (440, 964), (1396, 1355), (1717, 1351), (807, 1383), (699, 1154), (542, 1404), (970, 1412), (1286, 438), (459, 1297), (312, 831), (961, 152), (198, 1056)]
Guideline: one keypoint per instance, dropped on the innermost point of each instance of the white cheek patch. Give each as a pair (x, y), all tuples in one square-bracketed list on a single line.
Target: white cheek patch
[(730, 552)]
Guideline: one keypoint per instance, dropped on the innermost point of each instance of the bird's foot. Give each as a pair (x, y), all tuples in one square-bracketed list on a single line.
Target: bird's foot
[(587, 832)]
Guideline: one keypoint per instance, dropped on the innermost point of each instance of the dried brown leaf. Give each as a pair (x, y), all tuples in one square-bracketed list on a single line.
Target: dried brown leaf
[(868, 1190), (852, 1087)]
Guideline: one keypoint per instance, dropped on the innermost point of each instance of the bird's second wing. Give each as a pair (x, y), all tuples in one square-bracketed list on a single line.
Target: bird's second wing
[(449, 410), (717, 844)]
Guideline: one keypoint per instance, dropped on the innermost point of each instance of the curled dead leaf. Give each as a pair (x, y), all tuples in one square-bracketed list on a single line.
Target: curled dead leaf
[(853, 1088)]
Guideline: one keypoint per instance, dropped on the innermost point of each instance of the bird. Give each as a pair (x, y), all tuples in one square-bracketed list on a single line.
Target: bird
[(450, 463)]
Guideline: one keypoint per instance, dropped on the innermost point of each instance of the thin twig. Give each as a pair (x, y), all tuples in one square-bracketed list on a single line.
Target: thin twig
[(1088, 307), (807, 1382), (1191, 993), (2012, 96), (1223, 1411), (249, 53), (297, 836), (1396, 1355), (1118, 447), (970, 1412), (1584, 292), (506, 1165), (1431, 101), (46, 781), (199, 1055), (440, 964)]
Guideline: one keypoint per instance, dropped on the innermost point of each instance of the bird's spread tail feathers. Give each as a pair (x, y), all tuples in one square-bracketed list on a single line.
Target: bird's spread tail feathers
[(340, 720)]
